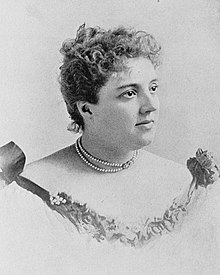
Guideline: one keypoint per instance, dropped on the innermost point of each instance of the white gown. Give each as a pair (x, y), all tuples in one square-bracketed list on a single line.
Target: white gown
[(34, 239)]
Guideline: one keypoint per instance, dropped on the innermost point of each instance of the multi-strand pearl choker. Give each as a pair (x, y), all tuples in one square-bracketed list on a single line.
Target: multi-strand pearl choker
[(85, 156)]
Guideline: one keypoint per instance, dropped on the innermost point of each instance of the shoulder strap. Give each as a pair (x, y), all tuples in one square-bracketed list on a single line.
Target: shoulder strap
[(12, 161)]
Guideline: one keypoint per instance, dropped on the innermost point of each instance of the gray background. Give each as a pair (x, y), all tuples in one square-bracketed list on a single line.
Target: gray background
[(32, 112)]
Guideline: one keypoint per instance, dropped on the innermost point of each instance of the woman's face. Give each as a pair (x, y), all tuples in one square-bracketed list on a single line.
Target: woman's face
[(127, 112)]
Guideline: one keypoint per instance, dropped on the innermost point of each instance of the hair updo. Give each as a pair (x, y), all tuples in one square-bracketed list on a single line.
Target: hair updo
[(93, 56)]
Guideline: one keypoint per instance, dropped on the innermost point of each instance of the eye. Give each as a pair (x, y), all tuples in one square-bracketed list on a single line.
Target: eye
[(153, 88), (129, 94)]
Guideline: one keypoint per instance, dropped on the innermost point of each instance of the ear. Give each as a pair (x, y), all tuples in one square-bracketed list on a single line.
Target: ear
[(84, 108)]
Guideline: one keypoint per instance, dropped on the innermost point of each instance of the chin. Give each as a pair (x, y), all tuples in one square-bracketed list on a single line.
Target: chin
[(147, 142), (148, 139), (143, 143), (145, 138)]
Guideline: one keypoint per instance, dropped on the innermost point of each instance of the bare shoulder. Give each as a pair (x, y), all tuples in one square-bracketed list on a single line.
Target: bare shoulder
[(53, 170), (166, 170)]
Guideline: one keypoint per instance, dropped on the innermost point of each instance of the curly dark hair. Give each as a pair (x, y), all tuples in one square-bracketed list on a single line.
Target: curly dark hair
[(93, 56)]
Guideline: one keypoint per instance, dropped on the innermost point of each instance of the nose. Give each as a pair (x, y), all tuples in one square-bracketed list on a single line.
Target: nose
[(149, 103)]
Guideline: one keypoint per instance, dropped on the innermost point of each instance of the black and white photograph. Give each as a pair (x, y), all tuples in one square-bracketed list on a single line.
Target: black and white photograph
[(110, 137)]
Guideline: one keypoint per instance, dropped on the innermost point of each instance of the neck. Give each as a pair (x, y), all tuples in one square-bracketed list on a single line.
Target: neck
[(100, 149)]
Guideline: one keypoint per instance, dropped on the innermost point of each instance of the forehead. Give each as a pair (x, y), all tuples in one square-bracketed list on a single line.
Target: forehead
[(136, 70)]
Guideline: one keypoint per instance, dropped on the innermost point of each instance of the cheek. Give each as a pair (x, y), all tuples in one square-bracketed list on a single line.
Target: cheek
[(158, 105), (118, 119), (158, 111)]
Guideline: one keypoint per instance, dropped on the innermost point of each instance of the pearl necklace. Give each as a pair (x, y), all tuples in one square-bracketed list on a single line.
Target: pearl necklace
[(83, 154)]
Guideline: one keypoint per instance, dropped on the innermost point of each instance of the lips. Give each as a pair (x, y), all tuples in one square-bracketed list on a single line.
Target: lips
[(144, 122)]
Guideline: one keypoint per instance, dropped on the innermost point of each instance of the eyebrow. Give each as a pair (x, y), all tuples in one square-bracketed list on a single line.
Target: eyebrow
[(127, 85), (154, 80), (134, 84)]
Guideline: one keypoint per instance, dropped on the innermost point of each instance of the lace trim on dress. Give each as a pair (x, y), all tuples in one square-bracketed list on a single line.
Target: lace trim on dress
[(101, 228), (203, 168), (204, 171)]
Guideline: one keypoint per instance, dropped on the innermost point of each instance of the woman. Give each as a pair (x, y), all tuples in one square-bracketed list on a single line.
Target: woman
[(104, 195)]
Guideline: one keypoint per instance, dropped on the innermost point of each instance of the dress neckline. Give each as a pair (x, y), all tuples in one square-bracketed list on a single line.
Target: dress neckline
[(202, 167)]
